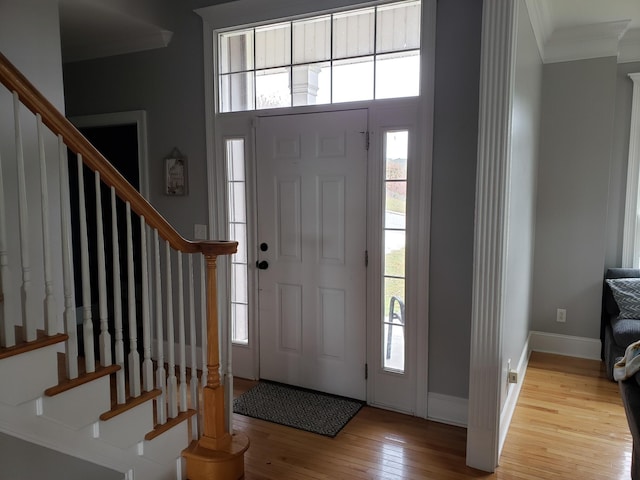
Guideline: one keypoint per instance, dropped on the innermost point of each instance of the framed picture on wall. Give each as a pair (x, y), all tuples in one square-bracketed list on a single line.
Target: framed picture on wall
[(176, 174)]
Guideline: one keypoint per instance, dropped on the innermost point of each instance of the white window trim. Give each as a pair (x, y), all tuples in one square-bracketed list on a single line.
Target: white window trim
[(631, 237)]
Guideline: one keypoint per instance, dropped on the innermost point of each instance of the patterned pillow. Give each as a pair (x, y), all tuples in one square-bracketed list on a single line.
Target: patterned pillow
[(626, 292)]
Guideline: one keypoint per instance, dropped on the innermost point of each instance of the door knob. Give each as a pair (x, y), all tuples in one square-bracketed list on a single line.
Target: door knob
[(263, 265)]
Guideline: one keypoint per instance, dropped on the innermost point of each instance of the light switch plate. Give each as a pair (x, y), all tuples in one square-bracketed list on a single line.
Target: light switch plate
[(200, 232)]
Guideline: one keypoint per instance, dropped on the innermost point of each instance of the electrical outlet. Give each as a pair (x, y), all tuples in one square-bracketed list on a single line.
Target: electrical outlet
[(513, 376), (561, 315)]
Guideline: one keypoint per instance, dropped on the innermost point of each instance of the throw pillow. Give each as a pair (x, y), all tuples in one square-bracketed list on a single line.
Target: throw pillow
[(626, 292)]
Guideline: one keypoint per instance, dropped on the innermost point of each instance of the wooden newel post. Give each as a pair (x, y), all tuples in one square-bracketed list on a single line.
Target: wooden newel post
[(217, 454)]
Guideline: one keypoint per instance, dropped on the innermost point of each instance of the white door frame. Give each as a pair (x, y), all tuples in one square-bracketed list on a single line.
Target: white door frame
[(242, 12)]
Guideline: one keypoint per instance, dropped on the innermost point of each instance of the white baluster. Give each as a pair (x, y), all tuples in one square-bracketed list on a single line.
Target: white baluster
[(147, 364), (105, 336), (193, 383), (70, 321), (87, 323), (50, 315), (181, 337), (28, 323), (7, 330), (117, 304), (172, 381), (134, 356), (161, 373)]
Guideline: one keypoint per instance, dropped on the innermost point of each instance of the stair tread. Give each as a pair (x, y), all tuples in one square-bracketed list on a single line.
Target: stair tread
[(43, 340), (172, 422), (65, 384), (130, 403)]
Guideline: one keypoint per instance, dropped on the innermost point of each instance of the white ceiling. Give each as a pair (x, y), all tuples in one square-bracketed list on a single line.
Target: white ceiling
[(101, 28), (565, 29)]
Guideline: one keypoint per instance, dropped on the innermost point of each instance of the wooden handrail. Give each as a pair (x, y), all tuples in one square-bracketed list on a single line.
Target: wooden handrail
[(15, 81)]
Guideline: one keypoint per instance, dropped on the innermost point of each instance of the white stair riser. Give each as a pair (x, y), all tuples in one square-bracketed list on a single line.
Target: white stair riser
[(128, 428), (26, 376), (80, 406), (168, 444)]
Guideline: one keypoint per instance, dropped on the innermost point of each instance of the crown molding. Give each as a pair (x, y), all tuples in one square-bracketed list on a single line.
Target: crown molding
[(630, 47), (581, 42), (540, 19), (585, 41)]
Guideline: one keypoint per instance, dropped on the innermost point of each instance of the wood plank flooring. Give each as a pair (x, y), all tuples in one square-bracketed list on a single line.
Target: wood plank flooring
[(569, 424)]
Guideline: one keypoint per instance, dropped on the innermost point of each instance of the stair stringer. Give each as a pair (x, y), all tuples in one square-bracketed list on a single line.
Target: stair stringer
[(162, 461)]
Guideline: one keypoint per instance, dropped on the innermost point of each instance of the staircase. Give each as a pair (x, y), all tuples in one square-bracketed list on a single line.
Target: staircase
[(127, 375)]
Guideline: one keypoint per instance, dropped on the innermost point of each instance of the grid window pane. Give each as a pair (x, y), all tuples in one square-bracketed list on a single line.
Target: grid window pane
[(353, 80), (312, 84), (235, 51), (393, 358), (323, 59), (398, 27), (239, 290), (354, 33), (395, 204), (239, 323), (273, 46), (391, 85), (237, 205), (238, 232), (272, 88), (312, 40), (235, 160), (396, 151), (236, 92), (394, 256)]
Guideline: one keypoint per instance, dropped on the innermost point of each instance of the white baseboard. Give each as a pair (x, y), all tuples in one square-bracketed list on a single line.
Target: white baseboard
[(568, 345), (513, 394), (447, 409)]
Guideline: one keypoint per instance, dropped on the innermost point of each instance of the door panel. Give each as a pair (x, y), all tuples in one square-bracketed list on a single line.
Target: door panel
[(312, 215)]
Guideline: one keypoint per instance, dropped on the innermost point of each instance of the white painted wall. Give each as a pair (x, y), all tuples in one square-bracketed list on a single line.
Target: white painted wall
[(578, 104), (30, 39)]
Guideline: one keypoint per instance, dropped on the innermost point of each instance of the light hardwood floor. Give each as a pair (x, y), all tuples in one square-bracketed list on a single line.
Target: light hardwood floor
[(569, 424)]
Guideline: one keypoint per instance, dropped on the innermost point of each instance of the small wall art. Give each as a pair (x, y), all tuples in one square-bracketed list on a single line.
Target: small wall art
[(176, 174)]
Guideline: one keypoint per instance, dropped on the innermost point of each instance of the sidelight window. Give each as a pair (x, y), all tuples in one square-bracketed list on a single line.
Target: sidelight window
[(394, 242), (237, 218), (363, 54)]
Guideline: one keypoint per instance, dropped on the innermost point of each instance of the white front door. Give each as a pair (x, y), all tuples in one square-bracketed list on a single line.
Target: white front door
[(312, 243)]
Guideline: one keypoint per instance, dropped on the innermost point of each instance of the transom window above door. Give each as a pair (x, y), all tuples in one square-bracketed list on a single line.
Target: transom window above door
[(362, 54)]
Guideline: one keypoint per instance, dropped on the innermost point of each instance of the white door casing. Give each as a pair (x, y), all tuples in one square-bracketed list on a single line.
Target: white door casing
[(312, 215)]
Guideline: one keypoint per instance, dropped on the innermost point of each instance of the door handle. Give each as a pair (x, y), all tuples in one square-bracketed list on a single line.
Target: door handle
[(263, 265)]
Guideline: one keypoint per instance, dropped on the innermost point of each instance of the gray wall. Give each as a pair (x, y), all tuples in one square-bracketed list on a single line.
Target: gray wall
[(457, 75), (522, 195), (578, 104), (168, 84)]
